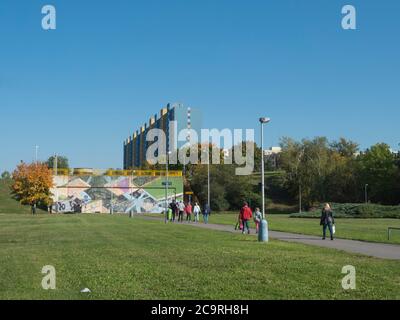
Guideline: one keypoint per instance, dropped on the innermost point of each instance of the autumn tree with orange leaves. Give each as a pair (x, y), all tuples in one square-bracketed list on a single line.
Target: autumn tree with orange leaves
[(32, 183)]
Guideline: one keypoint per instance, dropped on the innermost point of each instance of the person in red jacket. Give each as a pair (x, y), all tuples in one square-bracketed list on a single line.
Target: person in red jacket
[(245, 216), (188, 210)]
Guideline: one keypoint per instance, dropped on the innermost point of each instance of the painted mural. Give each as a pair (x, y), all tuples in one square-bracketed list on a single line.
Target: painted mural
[(113, 194)]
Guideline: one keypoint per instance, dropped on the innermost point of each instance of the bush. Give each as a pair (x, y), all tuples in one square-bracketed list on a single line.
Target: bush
[(354, 210)]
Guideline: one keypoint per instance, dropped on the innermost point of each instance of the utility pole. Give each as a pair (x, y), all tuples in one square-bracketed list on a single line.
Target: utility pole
[(36, 153), (55, 164)]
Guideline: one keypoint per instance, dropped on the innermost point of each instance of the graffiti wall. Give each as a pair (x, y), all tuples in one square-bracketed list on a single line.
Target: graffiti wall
[(113, 194)]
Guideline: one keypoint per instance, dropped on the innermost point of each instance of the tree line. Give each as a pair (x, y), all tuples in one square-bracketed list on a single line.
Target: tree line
[(315, 170), (320, 171)]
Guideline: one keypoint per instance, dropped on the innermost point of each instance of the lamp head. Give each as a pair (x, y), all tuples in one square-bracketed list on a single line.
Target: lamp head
[(264, 120)]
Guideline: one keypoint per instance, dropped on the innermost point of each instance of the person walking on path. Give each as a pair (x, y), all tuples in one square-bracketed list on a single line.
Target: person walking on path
[(176, 210), (196, 211), (257, 219), (33, 208), (173, 208), (239, 223), (181, 206), (206, 213), (169, 214), (188, 210), (327, 221), (245, 216)]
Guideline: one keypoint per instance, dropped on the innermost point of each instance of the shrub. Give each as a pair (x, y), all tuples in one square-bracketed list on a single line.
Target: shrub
[(354, 210)]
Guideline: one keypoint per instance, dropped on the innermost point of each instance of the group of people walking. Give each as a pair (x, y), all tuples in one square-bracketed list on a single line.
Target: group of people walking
[(245, 216), (327, 220), (177, 210)]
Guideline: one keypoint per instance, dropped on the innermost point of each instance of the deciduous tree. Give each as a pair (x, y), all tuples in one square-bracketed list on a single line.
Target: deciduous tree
[(32, 183)]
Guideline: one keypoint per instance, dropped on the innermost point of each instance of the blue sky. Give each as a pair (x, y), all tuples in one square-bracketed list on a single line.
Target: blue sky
[(81, 89)]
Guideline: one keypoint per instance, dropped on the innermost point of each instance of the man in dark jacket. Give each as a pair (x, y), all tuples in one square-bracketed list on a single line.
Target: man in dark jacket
[(206, 213), (173, 208), (327, 221)]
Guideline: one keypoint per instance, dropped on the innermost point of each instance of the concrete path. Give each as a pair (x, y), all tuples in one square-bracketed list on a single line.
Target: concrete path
[(377, 250)]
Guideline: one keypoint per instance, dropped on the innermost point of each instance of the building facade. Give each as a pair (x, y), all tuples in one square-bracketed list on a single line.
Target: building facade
[(135, 146)]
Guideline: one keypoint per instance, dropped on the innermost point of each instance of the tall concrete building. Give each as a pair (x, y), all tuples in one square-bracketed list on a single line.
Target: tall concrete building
[(135, 146)]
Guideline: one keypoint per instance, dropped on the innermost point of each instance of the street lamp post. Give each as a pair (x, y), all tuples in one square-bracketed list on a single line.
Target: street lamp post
[(263, 230), (203, 154), (301, 154), (166, 186), (300, 204), (366, 193), (208, 177)]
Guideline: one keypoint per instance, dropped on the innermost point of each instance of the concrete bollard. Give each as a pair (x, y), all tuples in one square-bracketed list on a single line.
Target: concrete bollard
[(263, 231)]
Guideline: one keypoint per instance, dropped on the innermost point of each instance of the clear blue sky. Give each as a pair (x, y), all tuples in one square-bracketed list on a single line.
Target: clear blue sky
[(83, 88)]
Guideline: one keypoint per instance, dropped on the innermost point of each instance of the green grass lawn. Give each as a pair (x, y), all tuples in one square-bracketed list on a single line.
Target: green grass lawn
[(176, 187), (374, 230), (121, 258)]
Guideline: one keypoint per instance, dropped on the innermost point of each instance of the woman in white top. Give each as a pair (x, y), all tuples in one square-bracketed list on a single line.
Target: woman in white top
[(196, 211)]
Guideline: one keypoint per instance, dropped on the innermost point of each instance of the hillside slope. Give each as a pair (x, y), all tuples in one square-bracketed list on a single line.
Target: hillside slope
[(7, 203)]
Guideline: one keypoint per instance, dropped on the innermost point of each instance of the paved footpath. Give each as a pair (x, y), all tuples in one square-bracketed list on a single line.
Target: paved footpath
[(377, 250)]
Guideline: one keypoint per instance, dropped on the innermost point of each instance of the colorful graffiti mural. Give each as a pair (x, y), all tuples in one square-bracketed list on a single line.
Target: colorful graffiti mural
[(113, 194)]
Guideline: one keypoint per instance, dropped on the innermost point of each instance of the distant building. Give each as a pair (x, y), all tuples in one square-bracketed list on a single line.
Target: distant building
[(271, 156), (186, 118), (226, 152), (272, 151)]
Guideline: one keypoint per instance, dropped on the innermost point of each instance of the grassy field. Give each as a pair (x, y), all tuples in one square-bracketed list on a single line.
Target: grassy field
[(374, 230), (121, 258)]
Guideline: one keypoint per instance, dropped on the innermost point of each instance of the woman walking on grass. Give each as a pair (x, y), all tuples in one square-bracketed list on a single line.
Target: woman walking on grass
[(327, 221)]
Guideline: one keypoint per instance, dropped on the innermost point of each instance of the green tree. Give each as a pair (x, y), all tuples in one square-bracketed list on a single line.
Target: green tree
[(378, 169), (345, 148), (319, 170), (62, 162), (227, 190), (6, 175)]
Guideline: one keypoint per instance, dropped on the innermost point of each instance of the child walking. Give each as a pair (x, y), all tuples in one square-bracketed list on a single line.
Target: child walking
[(257, 219)]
